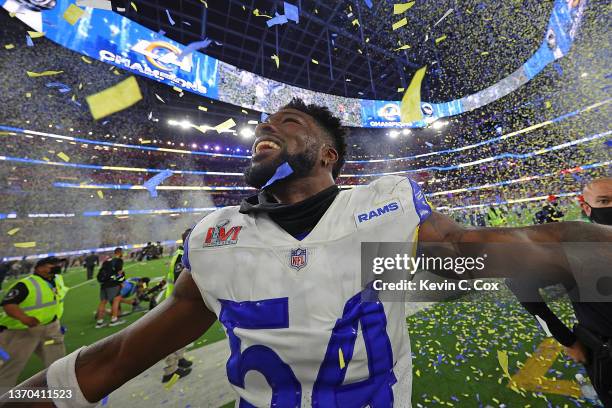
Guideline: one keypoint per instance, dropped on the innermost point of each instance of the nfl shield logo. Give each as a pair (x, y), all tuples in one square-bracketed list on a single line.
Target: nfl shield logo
[(298, 258)]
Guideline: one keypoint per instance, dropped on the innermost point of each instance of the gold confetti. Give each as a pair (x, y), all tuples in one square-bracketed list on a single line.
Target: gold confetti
[(400, 8), (403, 47), (49, 342), (228, 124), (502, 357), (9, 46), (341, 358), (25, 244), (276, 60), (28, 94), (44, 73), (172, 381), (63, 156), (355, 22), (13, 231), (314, 61), (410, 107), (440, 39), (400, 23), (134, 6), (73, 14), (114, 99), (203, 108), (87, 60), (100, 194), (35, 34)]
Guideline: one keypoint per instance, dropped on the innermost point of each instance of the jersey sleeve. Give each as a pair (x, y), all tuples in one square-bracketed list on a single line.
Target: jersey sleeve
[(185, 258), (421, 205)]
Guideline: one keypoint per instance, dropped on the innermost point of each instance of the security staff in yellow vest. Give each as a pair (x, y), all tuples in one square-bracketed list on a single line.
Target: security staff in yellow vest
[(176, 363), (30, 323)]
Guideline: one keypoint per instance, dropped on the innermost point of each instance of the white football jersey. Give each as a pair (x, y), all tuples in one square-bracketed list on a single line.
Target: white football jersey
[(299, 332)]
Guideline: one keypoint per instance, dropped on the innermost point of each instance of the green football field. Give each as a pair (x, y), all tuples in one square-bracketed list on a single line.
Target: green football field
[(455, 346)]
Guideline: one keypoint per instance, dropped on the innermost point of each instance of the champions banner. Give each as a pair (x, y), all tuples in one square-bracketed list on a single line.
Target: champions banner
[(114, 39)]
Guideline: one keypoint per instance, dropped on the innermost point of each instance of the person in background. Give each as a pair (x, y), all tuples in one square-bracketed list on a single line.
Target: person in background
[(91, 261), (30, 323), (176, 363), (110, 276), (550, 212), (5, 267), (590, 342), (131, 290)]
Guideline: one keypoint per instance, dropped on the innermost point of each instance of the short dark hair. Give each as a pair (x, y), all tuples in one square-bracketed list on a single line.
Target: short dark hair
[(330, 123), (117, 250)]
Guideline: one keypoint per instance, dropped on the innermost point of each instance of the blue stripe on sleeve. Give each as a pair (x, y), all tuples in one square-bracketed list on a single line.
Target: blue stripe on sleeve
[(421, 205)]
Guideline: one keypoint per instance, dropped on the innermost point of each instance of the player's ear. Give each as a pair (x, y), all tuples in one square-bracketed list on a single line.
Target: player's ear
[(586, 209), (329, 155)]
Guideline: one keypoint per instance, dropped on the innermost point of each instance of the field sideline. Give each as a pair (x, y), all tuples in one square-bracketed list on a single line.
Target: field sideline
[(455, 347)]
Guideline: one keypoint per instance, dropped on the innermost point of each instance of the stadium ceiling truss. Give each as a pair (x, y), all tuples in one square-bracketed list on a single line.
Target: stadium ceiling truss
[(356, 60)]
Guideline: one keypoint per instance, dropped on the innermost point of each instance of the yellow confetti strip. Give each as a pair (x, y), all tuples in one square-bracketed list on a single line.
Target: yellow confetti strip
[(46, 159), (63, 156), (134, 6), (177, 89), (114, 99), (203, 108), (502, 357), (410, 107), (73, 14), (145, 141), (355, 22), (258, 14), (9, 46), (28, 94), (314, 61), (25, 244), (244, 111), (403, 47), (13, 231), (276, 60), (400, 23), (48, 342), (87, 60), (400, 8), (440, 39), (35, 34), (100, 194), (341, 358), (228, 124), (401, 89), (172, 381), (41, 74)]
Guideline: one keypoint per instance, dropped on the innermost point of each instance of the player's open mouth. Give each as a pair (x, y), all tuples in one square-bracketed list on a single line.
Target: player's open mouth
[(265, 146)]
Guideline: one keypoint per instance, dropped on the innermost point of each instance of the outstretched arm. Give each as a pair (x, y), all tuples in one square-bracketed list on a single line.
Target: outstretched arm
[(513, 252), (109, 363)]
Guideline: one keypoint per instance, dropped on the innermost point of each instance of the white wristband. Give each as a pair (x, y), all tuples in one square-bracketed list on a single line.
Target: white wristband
[(62, 375)]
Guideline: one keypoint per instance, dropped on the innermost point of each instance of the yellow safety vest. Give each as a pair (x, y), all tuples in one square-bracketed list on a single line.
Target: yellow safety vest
[(170, 276), (42, 302)]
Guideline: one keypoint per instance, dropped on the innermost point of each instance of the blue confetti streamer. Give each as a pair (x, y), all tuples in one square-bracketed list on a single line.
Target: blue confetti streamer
[(156, 180), (278, 20), (368, 3), (283, 171), (263, 117), (4, 355), (198, 45), (608, 143), (170, 17), (29, 41), (292, 12)]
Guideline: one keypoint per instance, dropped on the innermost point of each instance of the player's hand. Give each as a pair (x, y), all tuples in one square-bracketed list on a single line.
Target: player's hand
[(30, 321), (577, 352)]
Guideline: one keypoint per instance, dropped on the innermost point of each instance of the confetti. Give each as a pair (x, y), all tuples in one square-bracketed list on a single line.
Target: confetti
[(401, 8), (448, 12), (198, 45), (410, 107), (96, 4), (440, 39), (35, 34), (63, 156), (114, 99), (4, 355), (49, 342), (13, 231), (29, 41), (314, 61), (403, 47), (228, 124), (400, 23), (341, 358), (502, 357), (170, 18), (87, 60), (31, 244), (276, 60), (172, 381), (292, 12), (134, 6), (159, 98), (156, 180), (44, 73), (277, 20), (368, 3), (73, 14), (100, 194), (9, 46), (203, 108)]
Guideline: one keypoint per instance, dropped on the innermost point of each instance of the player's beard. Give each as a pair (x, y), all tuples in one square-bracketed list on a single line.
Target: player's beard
[(258, 174)]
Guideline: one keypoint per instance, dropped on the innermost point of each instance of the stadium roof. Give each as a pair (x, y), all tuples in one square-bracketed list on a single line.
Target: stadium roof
[(347, 48)]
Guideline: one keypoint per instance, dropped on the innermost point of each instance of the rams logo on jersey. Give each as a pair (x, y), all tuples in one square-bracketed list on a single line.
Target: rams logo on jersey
[(377, 212)]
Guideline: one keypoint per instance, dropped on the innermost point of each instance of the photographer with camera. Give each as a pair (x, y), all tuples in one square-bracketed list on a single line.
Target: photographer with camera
[(110, 276)]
